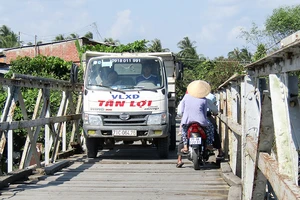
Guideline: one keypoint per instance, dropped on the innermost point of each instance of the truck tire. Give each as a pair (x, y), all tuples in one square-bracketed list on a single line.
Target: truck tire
[(127, 142), (163, 147), (172, 138), (92, 147)]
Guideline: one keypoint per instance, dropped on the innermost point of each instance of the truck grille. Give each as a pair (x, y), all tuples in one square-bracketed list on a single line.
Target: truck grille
[(133, 120)]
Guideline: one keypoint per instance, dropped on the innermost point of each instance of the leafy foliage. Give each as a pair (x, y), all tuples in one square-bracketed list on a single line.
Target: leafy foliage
[(222, 69), (188, 53), (89, 35), (260, 52), (136, 46), (41, 66), (156, 46), (242, 55), (8, 38), (283, 22), (111, 41), (256, 36), (215, 71), (61, 37)]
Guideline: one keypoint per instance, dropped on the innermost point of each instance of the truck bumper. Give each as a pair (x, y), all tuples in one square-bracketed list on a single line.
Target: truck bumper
[(143, 132)]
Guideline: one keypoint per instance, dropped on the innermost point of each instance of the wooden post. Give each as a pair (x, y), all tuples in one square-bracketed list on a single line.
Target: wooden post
[(285, 147), (250, 128), (266, 136)]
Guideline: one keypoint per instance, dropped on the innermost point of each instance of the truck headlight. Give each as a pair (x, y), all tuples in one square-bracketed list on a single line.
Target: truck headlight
[(94, 120), (157, 119)]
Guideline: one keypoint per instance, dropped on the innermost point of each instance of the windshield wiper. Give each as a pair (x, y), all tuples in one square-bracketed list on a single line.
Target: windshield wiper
[(144, 89), (108, 87)]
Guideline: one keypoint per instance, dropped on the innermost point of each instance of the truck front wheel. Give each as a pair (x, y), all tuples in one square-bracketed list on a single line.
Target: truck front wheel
[(173, 138), (163, 147), (91, 147)]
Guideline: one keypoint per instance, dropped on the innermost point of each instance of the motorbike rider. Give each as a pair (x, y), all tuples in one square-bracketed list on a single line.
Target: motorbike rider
[(212, 110), (194, 109)]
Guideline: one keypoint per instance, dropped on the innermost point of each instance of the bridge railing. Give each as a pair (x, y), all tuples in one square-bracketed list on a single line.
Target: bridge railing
[(259, 122), (43, 125)]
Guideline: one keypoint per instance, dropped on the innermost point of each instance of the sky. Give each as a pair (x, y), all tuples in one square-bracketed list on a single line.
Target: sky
[(214, 25)]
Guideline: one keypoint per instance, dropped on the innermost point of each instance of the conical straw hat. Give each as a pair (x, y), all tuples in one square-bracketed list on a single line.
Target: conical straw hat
[(198, 89)]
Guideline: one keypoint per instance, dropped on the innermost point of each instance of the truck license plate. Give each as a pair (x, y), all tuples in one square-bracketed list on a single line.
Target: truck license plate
[(196, 140), (124, 132)]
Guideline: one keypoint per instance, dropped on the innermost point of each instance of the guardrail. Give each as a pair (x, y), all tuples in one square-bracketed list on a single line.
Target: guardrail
[(55, 125), (259, 125)]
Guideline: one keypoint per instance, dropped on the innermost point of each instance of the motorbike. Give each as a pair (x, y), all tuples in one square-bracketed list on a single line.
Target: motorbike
[(198, 154)]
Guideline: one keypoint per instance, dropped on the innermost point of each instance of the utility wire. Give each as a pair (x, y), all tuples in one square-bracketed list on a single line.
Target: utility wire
[(219, 61), (49, 38), (67, 33), (27, 34)]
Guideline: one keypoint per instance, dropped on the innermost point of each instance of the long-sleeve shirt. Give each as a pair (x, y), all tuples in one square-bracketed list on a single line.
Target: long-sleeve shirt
[(194, 110)]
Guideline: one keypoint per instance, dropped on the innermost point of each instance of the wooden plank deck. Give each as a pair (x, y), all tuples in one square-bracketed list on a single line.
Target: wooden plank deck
[(129, 173)]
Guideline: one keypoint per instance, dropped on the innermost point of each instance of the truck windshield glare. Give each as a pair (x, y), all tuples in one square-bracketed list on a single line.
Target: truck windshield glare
[(125, 73)]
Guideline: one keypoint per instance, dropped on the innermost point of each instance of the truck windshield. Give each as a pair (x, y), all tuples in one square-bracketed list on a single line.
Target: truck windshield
[(124, 73)]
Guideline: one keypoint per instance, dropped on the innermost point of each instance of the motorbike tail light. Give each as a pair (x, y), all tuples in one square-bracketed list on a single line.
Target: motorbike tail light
[(196, 128)]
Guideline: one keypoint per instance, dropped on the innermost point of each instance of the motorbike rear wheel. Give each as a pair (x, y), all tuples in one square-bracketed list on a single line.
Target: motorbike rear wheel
[(195, 157)]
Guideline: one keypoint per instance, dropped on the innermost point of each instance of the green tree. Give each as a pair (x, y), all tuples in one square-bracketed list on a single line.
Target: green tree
[(136, 46), (156, 46), (256, 36), (42, 66), (220, 70), (187, 48), (8, 38), (89, 35), (260, 52), (283, 22), (111, 41), (59, 37), (73, 36), (192, 65), (242, 55), (188, 53)]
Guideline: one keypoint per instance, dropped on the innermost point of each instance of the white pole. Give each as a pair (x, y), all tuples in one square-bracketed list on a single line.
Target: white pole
[(10, 151)]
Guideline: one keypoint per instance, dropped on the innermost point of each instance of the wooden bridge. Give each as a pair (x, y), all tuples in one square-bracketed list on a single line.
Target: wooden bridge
[(258, 122)]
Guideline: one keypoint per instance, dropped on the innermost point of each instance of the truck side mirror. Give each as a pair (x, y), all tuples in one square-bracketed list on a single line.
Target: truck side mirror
[(179, 71), (74, 73)]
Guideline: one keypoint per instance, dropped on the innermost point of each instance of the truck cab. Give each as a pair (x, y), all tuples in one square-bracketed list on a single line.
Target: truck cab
[(126, 99)]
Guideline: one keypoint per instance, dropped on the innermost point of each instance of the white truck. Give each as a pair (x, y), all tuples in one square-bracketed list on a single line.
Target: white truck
[(132, 107)]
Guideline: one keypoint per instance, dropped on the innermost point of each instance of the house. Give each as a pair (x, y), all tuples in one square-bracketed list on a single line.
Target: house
[(65, 49)]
